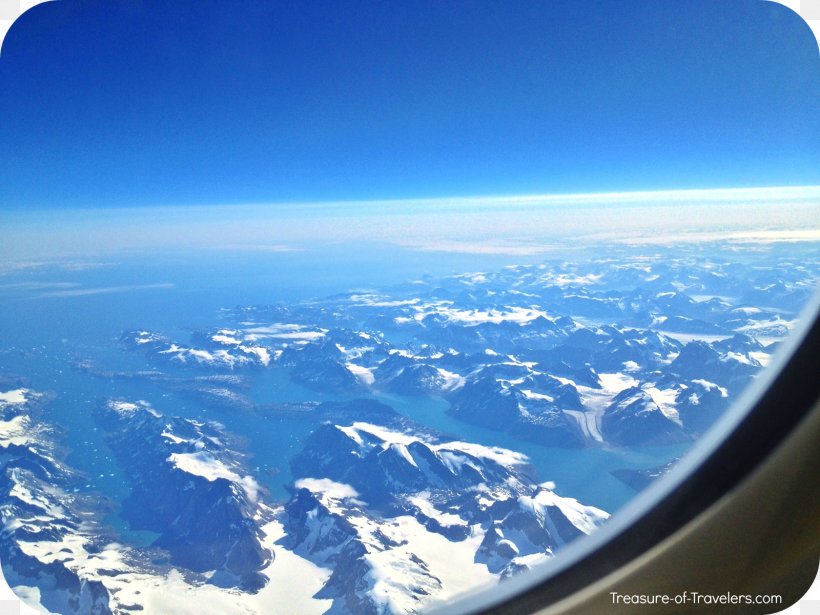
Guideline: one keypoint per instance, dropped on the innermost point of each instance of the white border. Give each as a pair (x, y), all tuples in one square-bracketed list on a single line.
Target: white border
[(5, 24), (24, 5)]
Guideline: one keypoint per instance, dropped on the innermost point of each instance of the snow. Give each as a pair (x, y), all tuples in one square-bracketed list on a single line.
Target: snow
[(475, 317), (407, 565), (631, 366), (327, 487), (262, 353), (563, 380), (222, 356), (172, 437), (23, 494), (452, 381), (392, 573), (454, 461), (665, 399), (450, 566), (737, 356), (351, 432), (422, 502), (617, 382), (363, 374), (596, 401), (472, 278), (297, 335), (711, 385), (282, 331), (293, 581), (501, 456), (380, 301), (747, 310), (409, 355), (16, 432), (16, 396), (585, 518), (533, 559), (386, 435), (763, 358), (226, 337), (144, 337), (123, 407), (201, 355), (204, 464), (389, 437), (533, 395), (401, 449), (587, 422), (127, 408), (565, 279), (693, 337), (765, 325)]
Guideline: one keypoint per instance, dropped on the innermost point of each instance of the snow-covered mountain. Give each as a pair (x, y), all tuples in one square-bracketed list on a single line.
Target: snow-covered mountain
[(540, 352), (190, 487), (48, 531), (360, 453), (403, 518), (380, 514)]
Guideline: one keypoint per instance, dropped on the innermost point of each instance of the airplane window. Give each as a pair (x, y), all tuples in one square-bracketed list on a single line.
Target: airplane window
[(374, 308)]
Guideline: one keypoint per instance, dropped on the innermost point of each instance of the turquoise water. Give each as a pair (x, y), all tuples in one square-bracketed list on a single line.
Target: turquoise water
[(579, 473)]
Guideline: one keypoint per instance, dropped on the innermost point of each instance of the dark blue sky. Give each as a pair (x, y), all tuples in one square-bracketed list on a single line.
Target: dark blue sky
[(152, 103)]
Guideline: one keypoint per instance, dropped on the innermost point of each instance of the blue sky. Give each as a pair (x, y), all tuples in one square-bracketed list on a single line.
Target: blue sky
[(201, 102)]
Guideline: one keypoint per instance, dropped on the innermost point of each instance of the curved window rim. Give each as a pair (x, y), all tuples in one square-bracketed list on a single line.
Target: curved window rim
[(658, 511)]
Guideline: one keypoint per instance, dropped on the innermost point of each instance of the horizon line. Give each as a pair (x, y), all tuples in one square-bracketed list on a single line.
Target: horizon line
[(758, 193)]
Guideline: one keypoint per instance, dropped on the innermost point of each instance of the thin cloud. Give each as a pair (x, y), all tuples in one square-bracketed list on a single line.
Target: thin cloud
[(81, 292), (500, 249), (15, 265), (742, 237), (12, 286), (261, 247)]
